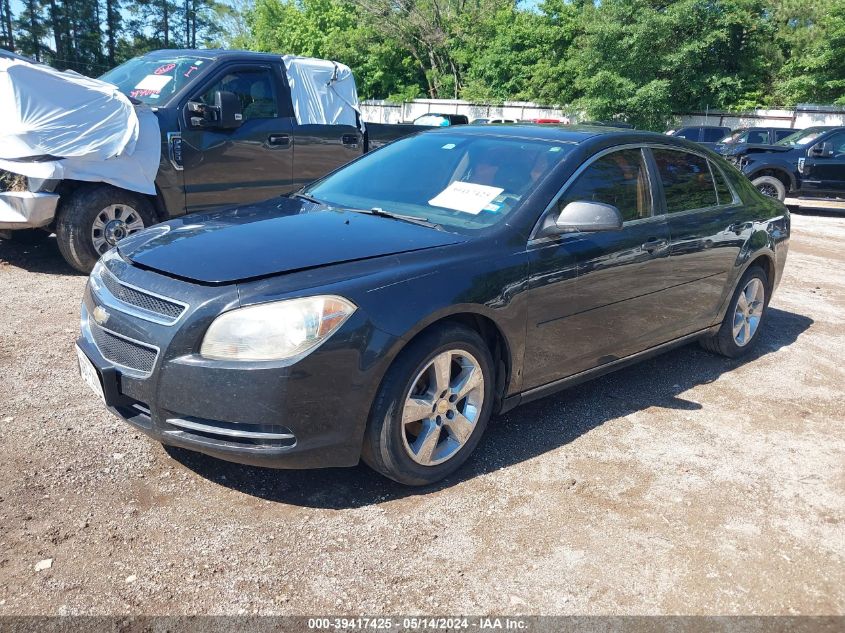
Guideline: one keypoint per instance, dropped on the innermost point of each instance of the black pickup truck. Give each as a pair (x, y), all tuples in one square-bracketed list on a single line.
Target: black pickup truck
[(807, 165), (229, 134)]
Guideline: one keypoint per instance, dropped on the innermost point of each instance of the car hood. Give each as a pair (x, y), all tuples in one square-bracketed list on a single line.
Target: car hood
[(274, 237), (753, 148)]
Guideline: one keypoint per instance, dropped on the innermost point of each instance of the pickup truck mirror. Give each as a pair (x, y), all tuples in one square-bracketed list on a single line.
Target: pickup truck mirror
[(821, 150), (587, 216), (229, 112), (225, 114)]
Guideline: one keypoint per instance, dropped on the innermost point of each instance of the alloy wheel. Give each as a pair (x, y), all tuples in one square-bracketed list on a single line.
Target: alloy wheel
[(442, 407), (768, 190), (112, 224), (748, 311)]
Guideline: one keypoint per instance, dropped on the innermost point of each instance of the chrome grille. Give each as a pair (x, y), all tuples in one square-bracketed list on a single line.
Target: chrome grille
[(122, 351), (139, 299)]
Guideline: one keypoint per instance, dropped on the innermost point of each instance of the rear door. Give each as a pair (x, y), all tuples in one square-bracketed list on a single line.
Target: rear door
[(597, 297), (250, 163), (825, 176), (320, 149), (707, 228)]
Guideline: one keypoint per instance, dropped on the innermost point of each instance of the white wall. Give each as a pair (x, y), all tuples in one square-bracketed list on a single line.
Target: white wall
[(383, 112)]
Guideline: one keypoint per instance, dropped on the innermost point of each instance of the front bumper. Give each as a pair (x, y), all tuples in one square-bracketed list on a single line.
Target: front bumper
[(308, 414), (26, 209)]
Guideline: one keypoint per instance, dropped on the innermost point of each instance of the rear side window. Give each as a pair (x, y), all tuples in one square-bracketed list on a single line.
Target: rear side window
[(619, 178), (686, 179), (690, 133), (712, 134), (782, 134), (723, 192)]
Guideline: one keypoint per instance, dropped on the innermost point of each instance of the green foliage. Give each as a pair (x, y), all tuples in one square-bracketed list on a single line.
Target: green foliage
[(636, 60)]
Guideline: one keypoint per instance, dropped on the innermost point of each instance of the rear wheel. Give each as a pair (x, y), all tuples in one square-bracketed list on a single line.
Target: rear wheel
[(432, 407), (771, 187), (93, 219), (741, 326)]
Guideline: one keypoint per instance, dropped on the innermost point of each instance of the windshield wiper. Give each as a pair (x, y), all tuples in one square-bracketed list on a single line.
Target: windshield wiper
[(378, 211), (306, 197)]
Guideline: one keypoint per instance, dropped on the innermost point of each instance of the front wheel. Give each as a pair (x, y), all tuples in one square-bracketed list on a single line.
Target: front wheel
[(93, 219), (741, 326), (771, 187), (432, 407)]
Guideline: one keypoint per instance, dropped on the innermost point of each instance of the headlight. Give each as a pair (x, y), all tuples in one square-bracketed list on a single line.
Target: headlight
[(275, 331)]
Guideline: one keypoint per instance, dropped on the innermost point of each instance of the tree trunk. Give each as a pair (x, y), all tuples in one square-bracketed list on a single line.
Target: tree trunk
[(34, 30), (111, 26), (7, 19), (166, 14)]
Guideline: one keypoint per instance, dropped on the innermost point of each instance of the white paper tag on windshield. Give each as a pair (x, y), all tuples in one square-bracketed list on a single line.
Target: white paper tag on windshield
[(153, 82), (466, 197)]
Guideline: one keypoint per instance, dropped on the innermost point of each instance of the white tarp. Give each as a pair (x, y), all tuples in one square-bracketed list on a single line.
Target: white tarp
[(87, 127), (323, 92)]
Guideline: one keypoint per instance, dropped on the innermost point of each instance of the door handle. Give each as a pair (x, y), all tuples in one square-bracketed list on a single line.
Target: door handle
[(655, 244), (350, 141), (282, 140)]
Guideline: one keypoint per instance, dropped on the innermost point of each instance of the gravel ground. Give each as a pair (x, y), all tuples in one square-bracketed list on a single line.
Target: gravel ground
[(687, 484)]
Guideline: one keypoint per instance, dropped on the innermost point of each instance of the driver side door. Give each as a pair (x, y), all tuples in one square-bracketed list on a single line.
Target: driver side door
[(250, 163), (596, 297), (825, 176)]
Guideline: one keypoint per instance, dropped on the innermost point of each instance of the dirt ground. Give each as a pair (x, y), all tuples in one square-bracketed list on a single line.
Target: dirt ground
[(688, 484)]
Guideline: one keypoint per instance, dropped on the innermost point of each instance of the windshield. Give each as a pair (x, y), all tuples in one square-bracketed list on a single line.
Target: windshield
[(154, 79), (436, 120), (465, 182), (737, 136), (804, 137)]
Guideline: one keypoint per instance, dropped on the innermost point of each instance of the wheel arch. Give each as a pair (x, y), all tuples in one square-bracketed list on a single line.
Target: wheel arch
[(501, 348), (781, 173), (66, 188)]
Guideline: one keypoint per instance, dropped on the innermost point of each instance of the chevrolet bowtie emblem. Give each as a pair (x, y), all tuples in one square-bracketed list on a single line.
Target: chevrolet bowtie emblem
[(100, 315)]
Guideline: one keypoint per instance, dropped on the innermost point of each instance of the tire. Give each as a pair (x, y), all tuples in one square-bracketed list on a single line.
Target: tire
[(78, 242), (389, 442), (725, 342), (770, 186)]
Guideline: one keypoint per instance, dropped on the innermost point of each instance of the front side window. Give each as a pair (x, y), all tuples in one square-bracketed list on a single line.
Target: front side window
[(254, 89), (838, 142), (686, 179), (619, 178), (758, 136), (690, 133)]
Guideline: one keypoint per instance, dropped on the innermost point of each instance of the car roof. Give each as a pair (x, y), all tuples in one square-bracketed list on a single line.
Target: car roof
[(212, 53), (563, 133)]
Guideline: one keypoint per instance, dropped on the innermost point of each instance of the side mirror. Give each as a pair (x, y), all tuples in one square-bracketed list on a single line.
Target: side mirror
[(821, 150), (587, 216), (225, 114), (229, 112)]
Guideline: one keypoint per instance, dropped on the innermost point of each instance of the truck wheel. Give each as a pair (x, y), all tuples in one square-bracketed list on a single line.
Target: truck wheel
[(432, 407), (93, 219), (770, 186)]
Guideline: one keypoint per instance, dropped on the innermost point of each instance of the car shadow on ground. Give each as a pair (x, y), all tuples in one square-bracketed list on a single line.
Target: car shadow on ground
[(38, 255), (519, 435)]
